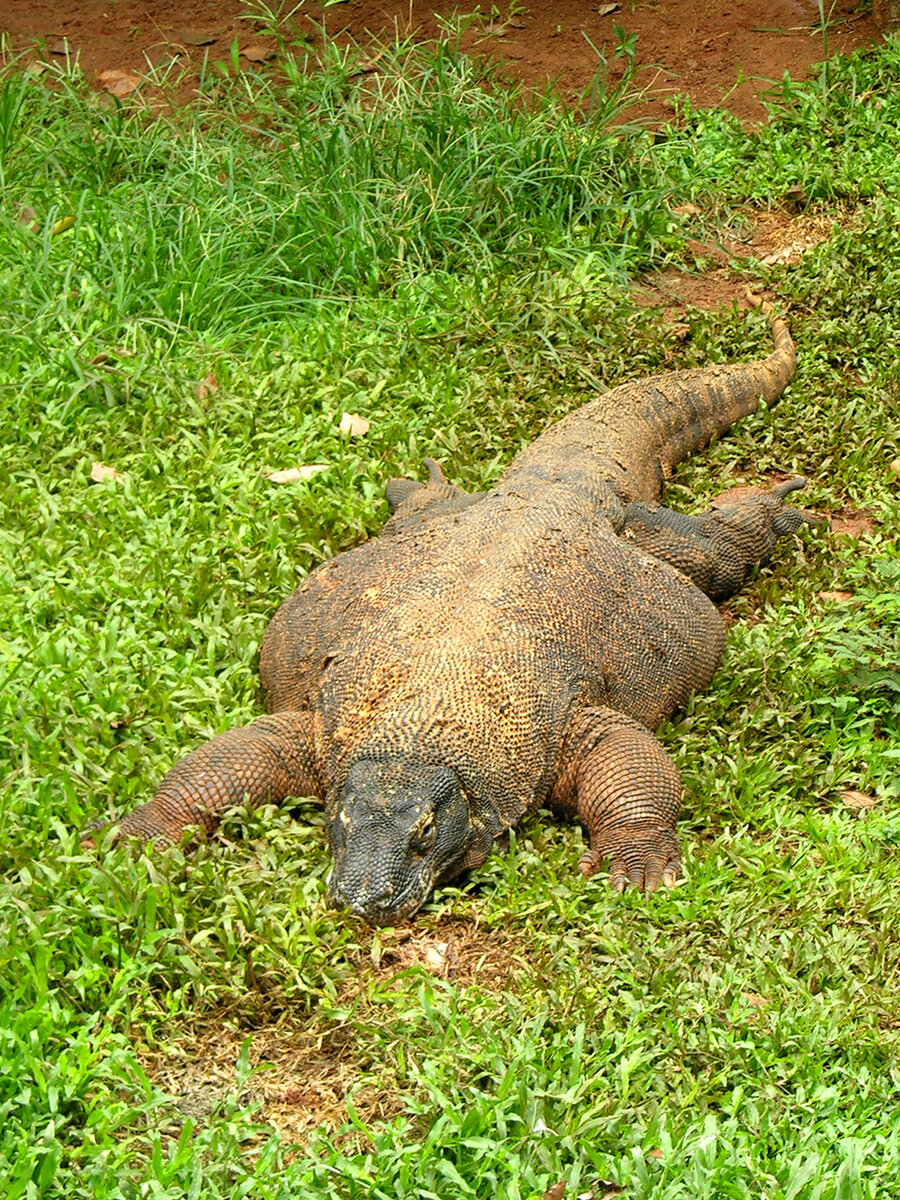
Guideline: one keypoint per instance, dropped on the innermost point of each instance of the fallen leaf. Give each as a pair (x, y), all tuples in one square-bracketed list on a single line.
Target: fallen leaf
[(101, 473), (686, 210), (754, 1000), (296, 474), (60, 46), (368, 65), (895, 466), (198, 37), (258, 54), (207, 387), (837, 597), (119, 83), (62, 225), (354, 425), (439, 957), (655, 1153), (605, 9), (858, 800), (29, 218), (99, 359), (796, 197), (557, 1192)]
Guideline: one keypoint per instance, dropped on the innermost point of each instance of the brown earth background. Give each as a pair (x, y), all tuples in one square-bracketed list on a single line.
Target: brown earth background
[(721, 53)]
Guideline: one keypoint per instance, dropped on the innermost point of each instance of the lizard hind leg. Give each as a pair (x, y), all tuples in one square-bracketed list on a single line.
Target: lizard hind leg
[(626, 791), (718, 549)]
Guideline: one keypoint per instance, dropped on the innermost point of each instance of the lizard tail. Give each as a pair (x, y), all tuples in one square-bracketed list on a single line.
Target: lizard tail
[(633, 436), (702, 404)]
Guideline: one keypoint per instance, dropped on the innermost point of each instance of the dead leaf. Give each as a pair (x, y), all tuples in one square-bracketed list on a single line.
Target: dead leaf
[(101, 473), (198, 37), (119, 83), (207, 387), (296, 474), (368, 65), (257, 53), (29, 218), (355, 425), (440, 957), (895, 466), (858, 800), (686, 210), (605, 9), (558, 1191), (796, 198), (754, 1000), (837, 597), (62, 225), (655, 1153), (60, 46)]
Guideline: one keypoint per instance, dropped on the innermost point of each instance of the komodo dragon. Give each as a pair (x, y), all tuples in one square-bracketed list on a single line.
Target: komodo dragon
[(490, 654)]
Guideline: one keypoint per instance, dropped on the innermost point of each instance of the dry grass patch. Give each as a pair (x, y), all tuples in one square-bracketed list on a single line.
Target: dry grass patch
[(299, 1072), (457, 950), (299, 1077)]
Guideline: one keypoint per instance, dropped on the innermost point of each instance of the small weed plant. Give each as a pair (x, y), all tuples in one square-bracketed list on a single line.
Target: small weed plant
[(192, 299)]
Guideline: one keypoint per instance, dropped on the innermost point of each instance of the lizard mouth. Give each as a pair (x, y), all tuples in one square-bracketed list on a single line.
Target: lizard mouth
[(383, 909)]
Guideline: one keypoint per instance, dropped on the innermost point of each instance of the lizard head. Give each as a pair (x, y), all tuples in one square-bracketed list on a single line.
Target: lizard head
[(396, 830)]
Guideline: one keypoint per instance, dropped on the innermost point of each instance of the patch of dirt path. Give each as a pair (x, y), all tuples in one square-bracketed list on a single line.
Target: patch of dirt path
[(719, 52)]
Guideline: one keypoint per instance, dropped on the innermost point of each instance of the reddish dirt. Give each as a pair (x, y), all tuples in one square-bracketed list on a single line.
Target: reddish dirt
[(721, 53)]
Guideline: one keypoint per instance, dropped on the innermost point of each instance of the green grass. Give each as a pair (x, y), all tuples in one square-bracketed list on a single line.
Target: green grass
[(424, 248)]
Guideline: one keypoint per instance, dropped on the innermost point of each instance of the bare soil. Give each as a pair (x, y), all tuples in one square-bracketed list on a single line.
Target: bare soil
[(719, 52)]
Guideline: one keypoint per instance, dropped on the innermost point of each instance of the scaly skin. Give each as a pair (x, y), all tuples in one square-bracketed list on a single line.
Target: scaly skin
[(489, 654)]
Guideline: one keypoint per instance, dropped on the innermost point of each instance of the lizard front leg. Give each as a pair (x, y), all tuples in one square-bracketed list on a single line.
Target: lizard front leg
[(260, 763), (620, 783)]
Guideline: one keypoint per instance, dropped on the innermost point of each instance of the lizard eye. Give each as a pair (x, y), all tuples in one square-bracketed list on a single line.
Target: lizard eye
[(423, 839)]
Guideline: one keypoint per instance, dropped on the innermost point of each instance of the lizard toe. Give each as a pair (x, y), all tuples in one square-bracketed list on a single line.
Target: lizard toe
[(590, 863), (644, 866)]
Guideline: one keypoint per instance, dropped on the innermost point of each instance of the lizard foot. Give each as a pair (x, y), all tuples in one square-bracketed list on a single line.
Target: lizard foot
[(643, 864)]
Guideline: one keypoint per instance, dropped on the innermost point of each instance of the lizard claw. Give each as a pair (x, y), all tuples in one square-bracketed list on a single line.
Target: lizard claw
[(643, 866)]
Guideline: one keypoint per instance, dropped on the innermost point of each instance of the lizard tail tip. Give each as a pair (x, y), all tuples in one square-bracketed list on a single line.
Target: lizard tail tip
[(757, 301)]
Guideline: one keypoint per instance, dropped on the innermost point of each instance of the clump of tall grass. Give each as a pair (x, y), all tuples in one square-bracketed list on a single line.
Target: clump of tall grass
[(337, 181)]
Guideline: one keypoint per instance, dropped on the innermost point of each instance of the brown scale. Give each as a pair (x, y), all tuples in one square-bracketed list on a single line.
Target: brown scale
[(519, 646)]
